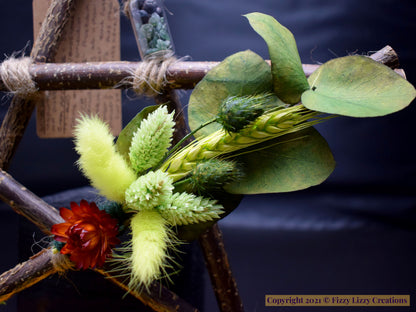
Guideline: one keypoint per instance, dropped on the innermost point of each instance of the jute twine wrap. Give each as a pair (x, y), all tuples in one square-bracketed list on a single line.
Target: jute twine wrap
[(16, 76), (60, 262), (149, 78)]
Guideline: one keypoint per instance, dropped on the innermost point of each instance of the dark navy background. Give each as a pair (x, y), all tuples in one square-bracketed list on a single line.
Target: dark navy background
[(354, 234)]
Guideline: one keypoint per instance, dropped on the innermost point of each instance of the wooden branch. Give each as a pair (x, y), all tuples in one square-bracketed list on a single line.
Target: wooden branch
[(47, 41), (386, 56), (159, 298), (216, 259), (20, 110), (40, 266), (26, 274), (180, 75), (27, 204)]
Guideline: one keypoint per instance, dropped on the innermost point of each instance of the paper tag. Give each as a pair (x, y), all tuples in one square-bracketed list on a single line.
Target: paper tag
[(92, 34)]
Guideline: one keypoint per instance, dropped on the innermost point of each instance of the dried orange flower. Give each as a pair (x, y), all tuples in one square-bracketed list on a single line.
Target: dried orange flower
[(89, 234)]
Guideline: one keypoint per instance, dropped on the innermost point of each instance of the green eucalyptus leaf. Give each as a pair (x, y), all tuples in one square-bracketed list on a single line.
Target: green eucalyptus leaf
[(292, 162), (357, 86), (289, 80), (243, 73), (124, 139)]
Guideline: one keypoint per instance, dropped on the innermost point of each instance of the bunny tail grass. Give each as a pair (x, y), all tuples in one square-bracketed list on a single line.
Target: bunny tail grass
[(150, 241), (99, 161)]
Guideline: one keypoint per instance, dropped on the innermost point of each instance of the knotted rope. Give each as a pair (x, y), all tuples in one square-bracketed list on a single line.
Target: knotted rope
[(149, 77), (15, 74)]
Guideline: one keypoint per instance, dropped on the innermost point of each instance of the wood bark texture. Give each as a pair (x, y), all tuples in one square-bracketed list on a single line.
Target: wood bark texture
[(216, 260), (27, 204), (20, 110), (180, 75), (26, 274)]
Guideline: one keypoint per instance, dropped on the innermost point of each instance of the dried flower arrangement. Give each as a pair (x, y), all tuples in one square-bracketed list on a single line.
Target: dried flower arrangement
[(252, 125)]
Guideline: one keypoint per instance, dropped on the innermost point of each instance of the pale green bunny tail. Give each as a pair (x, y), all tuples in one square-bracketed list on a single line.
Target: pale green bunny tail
[(185, 208), (148, 191), (99, 161), (151, 140), (150, 241)]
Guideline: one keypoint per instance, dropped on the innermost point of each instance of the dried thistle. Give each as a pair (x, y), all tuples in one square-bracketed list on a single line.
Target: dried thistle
[(212, 175), (236, 112)]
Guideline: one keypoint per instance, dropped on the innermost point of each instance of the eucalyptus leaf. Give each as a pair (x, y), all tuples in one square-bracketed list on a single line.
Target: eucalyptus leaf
[(124, 139), (243, 73), (357, 86), (289, 80), (292, 162)]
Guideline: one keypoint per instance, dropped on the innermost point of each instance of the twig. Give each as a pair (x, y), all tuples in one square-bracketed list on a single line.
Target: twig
[(40, 266), (180, 75), (20, 110), (159, 298), (387, 56), (27, 204), (216, 260), (26, 274)]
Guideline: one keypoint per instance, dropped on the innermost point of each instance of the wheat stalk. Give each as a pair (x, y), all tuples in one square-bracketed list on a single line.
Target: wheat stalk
[(268, 126)]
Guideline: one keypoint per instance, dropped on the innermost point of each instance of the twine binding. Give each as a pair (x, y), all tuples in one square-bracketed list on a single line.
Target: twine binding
[(61, 262), (149, 77), (15, 74)]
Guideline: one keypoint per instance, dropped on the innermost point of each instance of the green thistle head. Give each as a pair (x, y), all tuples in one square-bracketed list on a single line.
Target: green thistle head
[(148, 191), (236, 112), (212, 175)]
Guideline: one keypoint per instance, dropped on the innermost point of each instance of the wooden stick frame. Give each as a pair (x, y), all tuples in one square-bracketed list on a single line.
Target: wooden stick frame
[(51, 76), (180, 75)]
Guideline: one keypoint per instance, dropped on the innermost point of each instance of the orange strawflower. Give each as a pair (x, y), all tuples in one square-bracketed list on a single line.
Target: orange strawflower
[(89, 234)]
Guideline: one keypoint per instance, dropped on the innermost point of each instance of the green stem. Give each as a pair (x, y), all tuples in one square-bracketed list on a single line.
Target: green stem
[(180, 186)]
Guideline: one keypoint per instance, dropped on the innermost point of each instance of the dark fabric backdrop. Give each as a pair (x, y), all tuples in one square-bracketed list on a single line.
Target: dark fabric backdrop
[(352, 234)]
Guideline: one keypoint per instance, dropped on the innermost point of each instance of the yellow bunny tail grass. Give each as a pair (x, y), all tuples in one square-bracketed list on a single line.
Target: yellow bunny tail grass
[(150, 241), (99, 161)]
